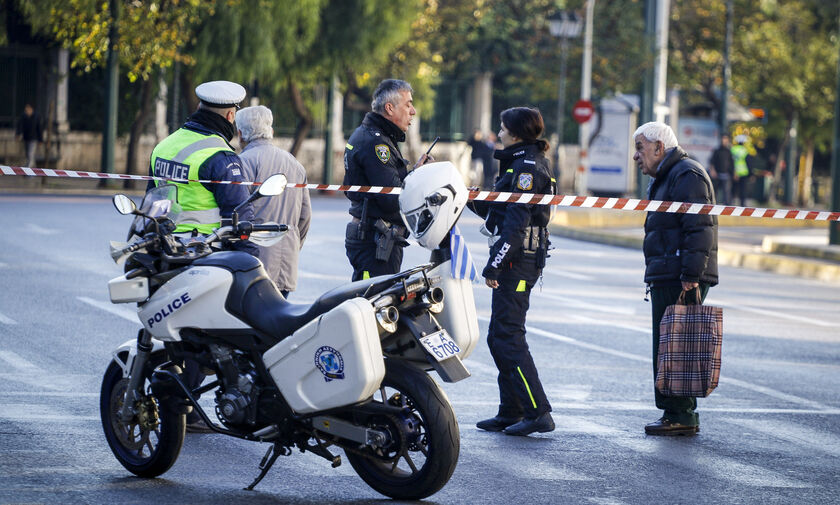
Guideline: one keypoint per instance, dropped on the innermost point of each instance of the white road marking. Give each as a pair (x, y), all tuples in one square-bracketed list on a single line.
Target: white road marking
[(600, 307), (40, 230), (635, 357), (7, 320), (28, 412), (567, 274), (698, 460), (557, 405), (798, 434), (517, 463), (772, 313), (17, 362), (59, 394), (117, 310), (312, 275)]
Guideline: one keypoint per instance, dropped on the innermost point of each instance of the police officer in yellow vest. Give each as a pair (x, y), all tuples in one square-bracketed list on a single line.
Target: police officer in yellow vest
[(742, 170), (200, 149)]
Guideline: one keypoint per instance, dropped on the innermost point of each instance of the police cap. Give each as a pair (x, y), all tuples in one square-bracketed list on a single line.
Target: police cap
[(221, 94)]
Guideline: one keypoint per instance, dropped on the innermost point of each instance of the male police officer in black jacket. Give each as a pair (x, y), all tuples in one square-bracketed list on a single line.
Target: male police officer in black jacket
[(376, 235), (680, 250)]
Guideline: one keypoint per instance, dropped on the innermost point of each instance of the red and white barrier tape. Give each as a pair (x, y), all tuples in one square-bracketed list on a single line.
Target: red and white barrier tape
[(490, 196)]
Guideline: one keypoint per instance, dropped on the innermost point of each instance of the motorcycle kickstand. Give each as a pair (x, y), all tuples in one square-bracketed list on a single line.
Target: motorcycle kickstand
[(274, 451)]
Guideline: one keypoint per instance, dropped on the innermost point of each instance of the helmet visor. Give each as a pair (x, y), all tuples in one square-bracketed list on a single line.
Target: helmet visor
[(420, 220)]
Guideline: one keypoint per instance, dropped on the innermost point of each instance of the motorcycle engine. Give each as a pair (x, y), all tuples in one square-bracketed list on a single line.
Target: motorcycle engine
[(236, 404)]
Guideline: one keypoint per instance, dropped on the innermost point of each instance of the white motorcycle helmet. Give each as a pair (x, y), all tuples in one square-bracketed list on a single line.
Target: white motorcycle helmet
[(432, 199)]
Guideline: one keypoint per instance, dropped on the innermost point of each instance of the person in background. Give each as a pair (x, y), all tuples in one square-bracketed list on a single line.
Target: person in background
[(680, 250), (29, 129), (260, 160), (742, 170), (518, 252), (722, 168)]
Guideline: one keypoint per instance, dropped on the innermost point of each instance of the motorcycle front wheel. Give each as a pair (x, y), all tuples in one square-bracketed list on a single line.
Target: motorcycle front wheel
[(425, 441), (148, 444)]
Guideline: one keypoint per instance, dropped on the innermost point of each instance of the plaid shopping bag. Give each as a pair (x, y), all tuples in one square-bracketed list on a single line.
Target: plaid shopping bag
[(690, 343)]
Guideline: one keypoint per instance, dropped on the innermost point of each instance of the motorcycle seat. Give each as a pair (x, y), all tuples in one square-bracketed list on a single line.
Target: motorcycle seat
[(255, 299)]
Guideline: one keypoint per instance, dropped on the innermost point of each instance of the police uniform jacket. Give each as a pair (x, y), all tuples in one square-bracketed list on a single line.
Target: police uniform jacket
[(523, 168), (372, 158), (222, 166), (680, 247)]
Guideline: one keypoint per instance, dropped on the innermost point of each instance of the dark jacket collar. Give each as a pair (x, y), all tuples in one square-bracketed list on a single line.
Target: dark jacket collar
[(517, 150), (674, 155), (378, 121), (208, 122)]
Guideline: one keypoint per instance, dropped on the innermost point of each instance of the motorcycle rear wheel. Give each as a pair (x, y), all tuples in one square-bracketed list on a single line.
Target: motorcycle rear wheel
[(424, 452), (149, 444)]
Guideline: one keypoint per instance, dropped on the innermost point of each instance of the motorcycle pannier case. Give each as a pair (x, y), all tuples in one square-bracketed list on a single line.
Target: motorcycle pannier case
[(333, 361)]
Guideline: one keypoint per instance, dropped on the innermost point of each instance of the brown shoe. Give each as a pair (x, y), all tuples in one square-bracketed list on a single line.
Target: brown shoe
[(667, 428)]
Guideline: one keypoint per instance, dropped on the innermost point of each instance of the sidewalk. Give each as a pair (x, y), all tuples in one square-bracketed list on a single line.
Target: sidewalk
[(784, 246)]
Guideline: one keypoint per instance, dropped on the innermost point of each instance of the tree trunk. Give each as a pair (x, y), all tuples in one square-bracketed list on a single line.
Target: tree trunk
[(304, 117), (137, 126), (806, 164)]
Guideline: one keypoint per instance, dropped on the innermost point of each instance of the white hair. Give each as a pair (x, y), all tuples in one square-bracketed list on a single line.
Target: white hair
[(657, 132), (255, 123)]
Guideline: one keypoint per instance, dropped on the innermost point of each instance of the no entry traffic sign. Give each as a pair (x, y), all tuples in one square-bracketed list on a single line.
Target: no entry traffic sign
[(582, 111)]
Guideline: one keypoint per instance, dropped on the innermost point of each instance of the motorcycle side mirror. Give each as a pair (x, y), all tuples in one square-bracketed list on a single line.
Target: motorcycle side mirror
[(124, 204), (273, 186)]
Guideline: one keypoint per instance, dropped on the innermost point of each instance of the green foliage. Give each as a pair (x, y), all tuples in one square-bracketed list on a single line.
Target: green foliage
[(150, 33)]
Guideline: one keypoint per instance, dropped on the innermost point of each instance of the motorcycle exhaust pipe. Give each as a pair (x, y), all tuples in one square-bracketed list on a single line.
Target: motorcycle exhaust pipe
[(387, 318), (434, 299)]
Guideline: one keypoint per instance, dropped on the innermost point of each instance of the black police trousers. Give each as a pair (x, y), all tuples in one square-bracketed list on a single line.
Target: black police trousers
[(521, 393), (362, 256)]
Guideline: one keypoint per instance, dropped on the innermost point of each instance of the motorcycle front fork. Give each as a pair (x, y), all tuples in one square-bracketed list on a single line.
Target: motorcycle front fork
[(133, 392)]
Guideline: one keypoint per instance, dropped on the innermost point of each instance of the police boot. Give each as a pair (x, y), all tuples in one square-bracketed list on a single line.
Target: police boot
[(497, 423), (542, 424)]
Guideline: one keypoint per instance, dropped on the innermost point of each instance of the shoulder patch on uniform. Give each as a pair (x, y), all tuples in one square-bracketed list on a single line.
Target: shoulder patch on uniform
[(525, 181), (383, 153)]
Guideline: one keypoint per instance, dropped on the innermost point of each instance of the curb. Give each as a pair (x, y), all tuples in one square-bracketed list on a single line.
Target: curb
[(767, 262)]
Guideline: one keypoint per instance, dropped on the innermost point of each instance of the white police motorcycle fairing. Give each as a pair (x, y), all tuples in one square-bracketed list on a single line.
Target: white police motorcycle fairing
[(349, 371)]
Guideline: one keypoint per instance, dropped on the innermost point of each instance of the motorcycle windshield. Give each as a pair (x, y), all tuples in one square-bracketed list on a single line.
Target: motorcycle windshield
[(158, 201)]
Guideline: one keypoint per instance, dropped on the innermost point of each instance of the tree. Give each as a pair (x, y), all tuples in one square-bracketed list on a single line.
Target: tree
[(151, 34)]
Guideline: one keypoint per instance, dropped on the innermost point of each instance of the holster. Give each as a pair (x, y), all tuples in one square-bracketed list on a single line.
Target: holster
[(536, 242), (386, 237)]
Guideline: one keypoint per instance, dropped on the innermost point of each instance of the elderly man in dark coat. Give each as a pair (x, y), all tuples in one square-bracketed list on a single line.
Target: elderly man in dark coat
[(680, 250)]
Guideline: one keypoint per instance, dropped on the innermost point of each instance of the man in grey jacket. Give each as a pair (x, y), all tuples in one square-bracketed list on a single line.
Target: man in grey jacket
[(260, 160)]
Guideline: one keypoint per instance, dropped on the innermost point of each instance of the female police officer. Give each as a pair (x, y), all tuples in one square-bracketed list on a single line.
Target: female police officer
[(519, 242)]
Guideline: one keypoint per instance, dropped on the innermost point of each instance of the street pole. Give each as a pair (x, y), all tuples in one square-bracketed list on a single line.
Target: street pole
[(727, 68), (834, 226), (564, 25), (790, 171), (328, 145), (585, 94), (647, 98), (109, 133), (561, 106)]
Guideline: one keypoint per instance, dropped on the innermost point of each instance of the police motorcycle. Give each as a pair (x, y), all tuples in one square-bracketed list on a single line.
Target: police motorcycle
[(349, 371)]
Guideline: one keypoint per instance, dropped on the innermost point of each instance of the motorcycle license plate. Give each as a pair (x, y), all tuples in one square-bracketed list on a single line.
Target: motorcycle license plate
[(440, 345)]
